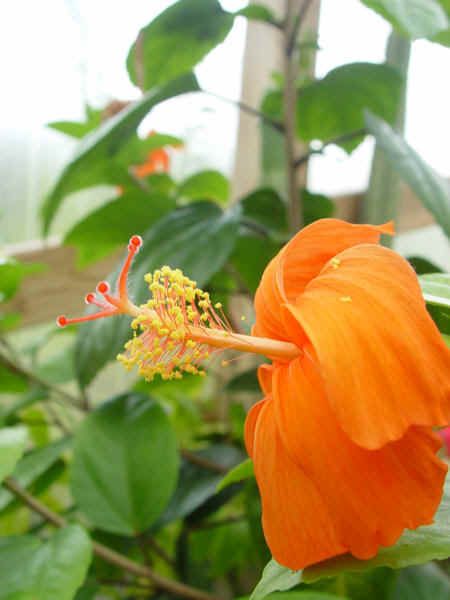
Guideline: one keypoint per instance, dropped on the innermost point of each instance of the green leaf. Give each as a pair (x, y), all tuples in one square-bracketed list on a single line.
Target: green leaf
[(93, 162), (436, 292), (125, 464), (422, 266), (111, 225), (304, 595), (176, 41), (16, 551), (251, 256), (183, 240), (11, 382), (60, 566), (426, 582), (12, 273), (266, 207), (429, 542), (206, 185), (432, 189), (240, 472), (436, 289), (197, 485), (136, 150), (257, 12), (415, 18), (12, 445), (275, 578), (33, 465), (334, 106), (79, 129)]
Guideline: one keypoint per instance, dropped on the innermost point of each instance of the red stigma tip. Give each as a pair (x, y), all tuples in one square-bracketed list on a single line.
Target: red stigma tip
[(103, 287), (61, 321), (136, 241), (89, 298)]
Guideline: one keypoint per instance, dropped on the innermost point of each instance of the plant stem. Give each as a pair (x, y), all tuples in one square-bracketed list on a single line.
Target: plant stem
[(32, 378), (174, 587), (346, 137), (203, 462), (291, 26), (248, 109)]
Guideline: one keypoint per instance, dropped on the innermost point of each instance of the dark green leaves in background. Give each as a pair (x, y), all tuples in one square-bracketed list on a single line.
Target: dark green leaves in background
[(126, 464), (12, 445), (176, 41)]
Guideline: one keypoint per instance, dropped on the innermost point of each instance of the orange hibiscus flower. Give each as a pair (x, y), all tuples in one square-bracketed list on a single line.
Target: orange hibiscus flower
[(342, 443)]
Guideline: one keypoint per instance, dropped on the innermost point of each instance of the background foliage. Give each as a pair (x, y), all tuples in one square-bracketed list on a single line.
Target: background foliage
[(125, 489)]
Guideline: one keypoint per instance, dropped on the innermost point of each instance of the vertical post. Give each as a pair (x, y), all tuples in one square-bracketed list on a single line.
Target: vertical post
[(380, 202)]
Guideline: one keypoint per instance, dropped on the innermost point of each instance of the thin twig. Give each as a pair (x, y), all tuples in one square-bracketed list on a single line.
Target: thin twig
[(174, 587), (32, 378), (203, 462), (295, 27), (346, 137), (248, 109)]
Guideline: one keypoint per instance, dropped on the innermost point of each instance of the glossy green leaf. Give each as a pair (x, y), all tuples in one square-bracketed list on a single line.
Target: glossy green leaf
[(415, 18), (12, 445), (257, 12), (426, 582), (125, 464), (240, 472), (430, 542), (334, 106), (12, 273), (197, 485), (114, 223), (305, 595), (182, 240), (430, 188), (33, 465), (176, 40), (93, 163), (15, 551), (60, 565), (275, 578), (54, 570), (206, 185)]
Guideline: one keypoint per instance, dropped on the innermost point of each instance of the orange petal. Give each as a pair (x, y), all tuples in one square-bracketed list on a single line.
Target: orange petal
[(265, 373), (383, 360), (302, 259), (373, 495), (250, 425), (298, 528)]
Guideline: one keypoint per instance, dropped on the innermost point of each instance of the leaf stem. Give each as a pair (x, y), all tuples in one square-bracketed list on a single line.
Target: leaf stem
[(248, 109), (174, 587), (346, 137)]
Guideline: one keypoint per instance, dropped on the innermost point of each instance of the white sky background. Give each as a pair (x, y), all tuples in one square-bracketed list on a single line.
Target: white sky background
[(58, 53)]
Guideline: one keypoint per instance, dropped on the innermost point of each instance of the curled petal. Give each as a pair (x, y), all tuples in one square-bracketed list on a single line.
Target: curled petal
[(297, 525), (250, 425), (298, 262), (373, 495), (382, 359)]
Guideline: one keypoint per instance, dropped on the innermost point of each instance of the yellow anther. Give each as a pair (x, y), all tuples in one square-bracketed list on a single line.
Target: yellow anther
[(345, 298), (218, 305), (335, 262), (243, 318)]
